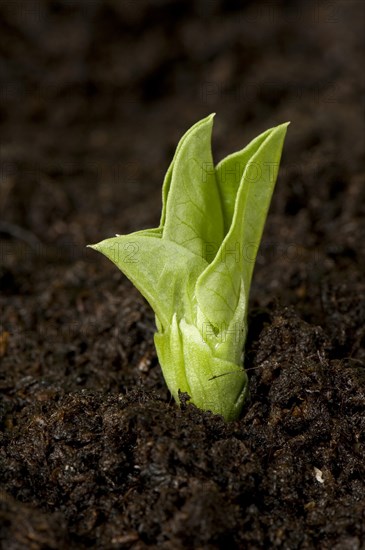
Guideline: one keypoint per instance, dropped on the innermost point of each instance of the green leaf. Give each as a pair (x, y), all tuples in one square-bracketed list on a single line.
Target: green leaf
[(219, 286), (229, 174), (164, 272), (168, 177), (253, 200), (193, 216)]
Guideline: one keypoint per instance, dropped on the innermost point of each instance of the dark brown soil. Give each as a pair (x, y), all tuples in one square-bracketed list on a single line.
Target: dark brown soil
[(94, 97)]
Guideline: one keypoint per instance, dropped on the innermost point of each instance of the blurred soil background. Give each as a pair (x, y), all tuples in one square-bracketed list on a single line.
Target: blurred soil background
[(94, 96)]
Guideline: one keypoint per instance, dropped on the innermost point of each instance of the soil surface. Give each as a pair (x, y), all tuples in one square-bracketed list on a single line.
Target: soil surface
[(94, 97)]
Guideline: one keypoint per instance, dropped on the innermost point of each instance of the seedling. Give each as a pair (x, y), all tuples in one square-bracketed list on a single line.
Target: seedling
[(195, 269)]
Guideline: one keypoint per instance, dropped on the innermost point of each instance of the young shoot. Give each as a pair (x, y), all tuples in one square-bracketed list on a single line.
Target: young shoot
[(195, 269)]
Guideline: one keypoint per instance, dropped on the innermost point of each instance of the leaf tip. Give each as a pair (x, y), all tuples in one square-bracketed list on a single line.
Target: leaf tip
[(280, 130), (93, 246), (285, 125), (209, 118)]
